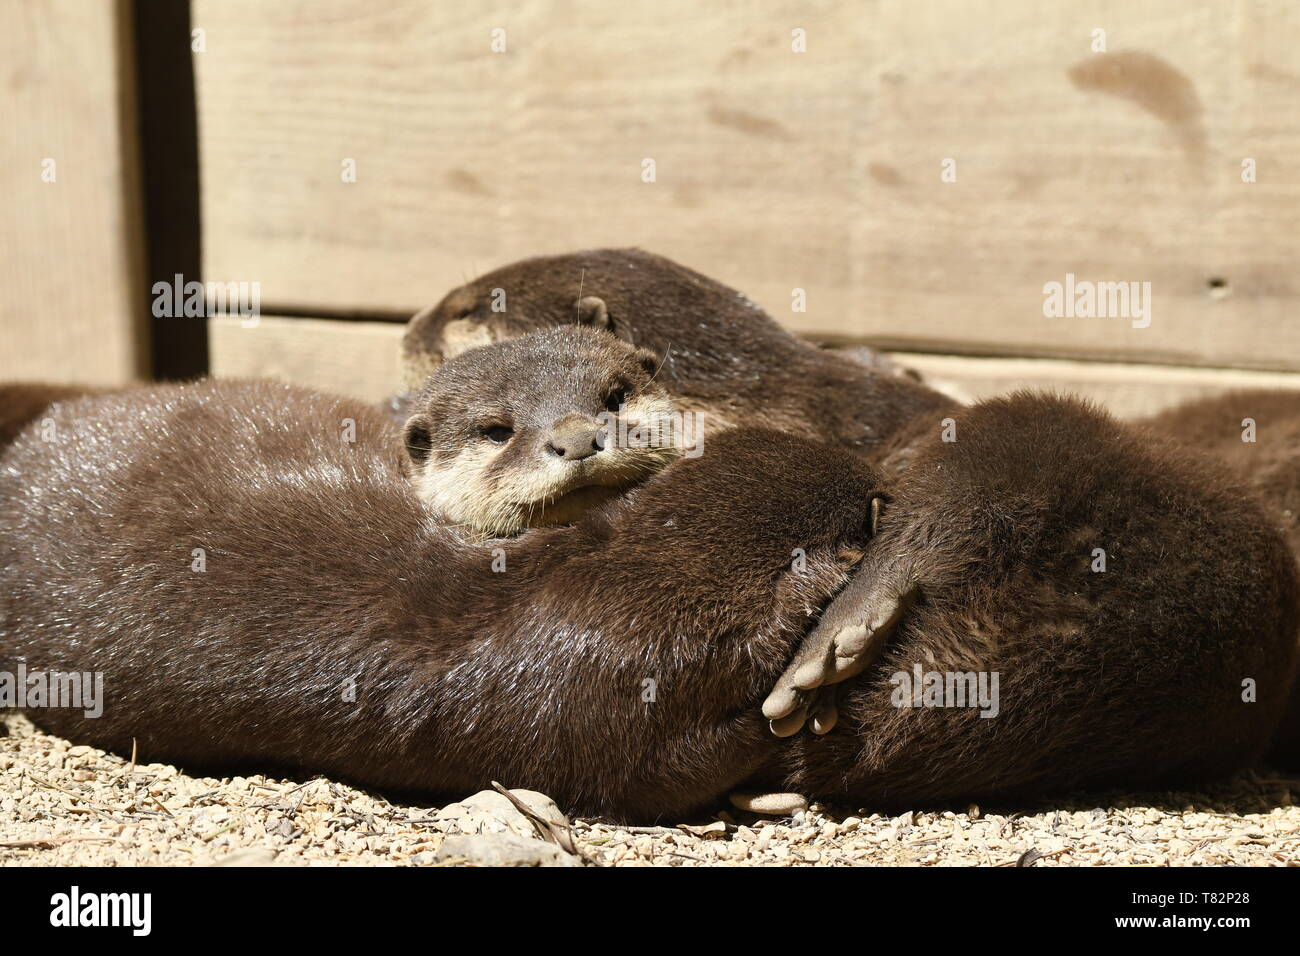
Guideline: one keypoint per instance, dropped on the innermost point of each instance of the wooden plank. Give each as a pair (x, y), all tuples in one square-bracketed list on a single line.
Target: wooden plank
[(467, 159), (1124, 165), (1130, 391), (362, 359), (776, 170), (72, 306)]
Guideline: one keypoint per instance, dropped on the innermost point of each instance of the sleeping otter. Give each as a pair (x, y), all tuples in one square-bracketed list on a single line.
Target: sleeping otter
[(728, 357), (536, 430), (722, 355), (260, 591), (1137, 608)]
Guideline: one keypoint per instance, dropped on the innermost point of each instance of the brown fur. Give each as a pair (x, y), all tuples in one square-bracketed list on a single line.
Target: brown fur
[(1270, 465), (733, 357), (1128, 677), (722, 353), (21, 403), (536, 430), (321, 569)]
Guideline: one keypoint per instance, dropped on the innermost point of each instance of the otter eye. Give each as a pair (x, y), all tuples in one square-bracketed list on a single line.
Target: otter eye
[(617, 399), (419, 441), (464, 312), (498, 434)]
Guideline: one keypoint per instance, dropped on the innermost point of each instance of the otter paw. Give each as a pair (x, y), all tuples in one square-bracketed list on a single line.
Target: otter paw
[(848, 638), (816, 707)]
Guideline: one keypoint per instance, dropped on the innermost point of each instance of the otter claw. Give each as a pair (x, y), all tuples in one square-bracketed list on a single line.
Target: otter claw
[(788, 715), (790, 725), (816, 708), (825, 713)]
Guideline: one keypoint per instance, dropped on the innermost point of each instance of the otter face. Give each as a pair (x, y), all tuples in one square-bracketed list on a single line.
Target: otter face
[(535, 430)]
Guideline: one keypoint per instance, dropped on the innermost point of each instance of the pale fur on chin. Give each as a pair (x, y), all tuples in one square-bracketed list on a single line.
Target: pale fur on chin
[(464, 491)]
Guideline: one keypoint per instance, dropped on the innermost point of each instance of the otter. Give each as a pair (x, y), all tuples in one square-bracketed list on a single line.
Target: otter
[(1088, 565), (856, 627), (250, 570), (731, 357), (1255, 432), (260, 591), (23, 402), (722, 355), (538, 430)]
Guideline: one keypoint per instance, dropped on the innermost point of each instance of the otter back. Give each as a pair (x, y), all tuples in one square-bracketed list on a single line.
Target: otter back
[(723, 355)]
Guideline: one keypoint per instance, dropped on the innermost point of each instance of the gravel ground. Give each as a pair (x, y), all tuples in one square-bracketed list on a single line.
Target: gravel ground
[(62, 804)]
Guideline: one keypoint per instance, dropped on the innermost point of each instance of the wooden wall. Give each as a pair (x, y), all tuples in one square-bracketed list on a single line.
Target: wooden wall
[(361, 359), (775, 170), (71, 280), (778, 170)]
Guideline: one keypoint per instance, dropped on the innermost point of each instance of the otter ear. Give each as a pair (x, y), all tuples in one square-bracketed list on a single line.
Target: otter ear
[(648, 361), (593, 311), (418, 438)]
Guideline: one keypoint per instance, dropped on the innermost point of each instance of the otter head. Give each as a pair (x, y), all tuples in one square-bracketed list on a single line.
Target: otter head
[(504, 304), (536, 430)]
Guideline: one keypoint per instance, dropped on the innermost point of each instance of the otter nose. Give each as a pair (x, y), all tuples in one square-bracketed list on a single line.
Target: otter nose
[(577, 446)]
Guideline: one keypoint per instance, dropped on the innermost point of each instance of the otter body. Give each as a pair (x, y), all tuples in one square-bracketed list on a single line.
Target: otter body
[(618, 663), (726, 346), (330, 625), (1270, 464), (722, 355), (21, 403), (1135, 603)]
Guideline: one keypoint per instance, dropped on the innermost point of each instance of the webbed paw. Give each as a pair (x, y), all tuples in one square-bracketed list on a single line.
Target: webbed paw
[(849, 637)]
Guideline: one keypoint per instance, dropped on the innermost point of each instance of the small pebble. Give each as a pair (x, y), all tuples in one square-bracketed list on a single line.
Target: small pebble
[(255, 820)]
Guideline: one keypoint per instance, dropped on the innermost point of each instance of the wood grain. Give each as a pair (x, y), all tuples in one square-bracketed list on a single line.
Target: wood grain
[(72, 305), (1130, 391), (354, 358), (361, 359), (776, 170)]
